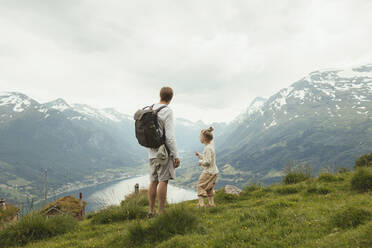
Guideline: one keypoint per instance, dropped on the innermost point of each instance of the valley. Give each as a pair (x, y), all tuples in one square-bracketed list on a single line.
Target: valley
[(324, 119)]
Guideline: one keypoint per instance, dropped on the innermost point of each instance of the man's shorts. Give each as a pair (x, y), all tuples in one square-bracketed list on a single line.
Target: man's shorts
[(162, 173)]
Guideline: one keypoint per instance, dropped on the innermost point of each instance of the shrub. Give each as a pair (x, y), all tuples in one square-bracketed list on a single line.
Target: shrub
[(90, 215), (287, 190), (255, 190), (362, 180), (318, 190), (141, 199), (35, 227), (327, 177), (364, 161), (343, 170), (177, 241), (222, 197), (296, 173), (350, 217), (251, 188), (126, 211), (177, 220), (8, 214)]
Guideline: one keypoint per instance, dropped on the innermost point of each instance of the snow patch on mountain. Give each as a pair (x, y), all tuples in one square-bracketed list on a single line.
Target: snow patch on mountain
[(256, 106), (19, 101), (114, 114), (272, 124), (42, 110), (79, 118), (279, 102), (59, 105), (299, 94), (107, 114)]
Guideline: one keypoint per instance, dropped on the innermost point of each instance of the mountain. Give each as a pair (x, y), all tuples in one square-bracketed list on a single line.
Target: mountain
[(324, 118), (188, 132), (71, 141)]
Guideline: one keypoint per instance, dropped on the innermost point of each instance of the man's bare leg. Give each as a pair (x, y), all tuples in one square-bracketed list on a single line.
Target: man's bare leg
[(152, 196), (162, 196)]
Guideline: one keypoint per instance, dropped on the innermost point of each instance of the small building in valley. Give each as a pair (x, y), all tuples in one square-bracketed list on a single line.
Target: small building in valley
[(67, 205)]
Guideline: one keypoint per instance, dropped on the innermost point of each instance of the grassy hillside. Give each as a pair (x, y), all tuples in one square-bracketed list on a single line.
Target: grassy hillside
[(322, 212)]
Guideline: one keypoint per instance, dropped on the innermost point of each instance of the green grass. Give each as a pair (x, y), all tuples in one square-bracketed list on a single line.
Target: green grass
[(178, 220), (296, 173), (362, 180), (328, 177), (312, 213), (127, 211), (364, 161), (35, 227), (350, 217), (8, 214), (321, 190), (141, 199)]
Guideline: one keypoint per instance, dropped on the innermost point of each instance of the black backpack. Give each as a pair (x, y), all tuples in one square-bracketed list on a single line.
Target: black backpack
[(147, 127)]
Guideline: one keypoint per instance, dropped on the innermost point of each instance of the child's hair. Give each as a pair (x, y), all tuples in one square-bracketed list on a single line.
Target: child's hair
[(208, 133)]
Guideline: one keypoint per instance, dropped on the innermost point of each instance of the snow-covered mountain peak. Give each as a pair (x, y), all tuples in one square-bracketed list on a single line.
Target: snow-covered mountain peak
[(256, 105), (18, 101), (12, 103), (85, 110), (100, 114), (58, 104), (114, 115), (338, 89), (330, 83), (338, 76)]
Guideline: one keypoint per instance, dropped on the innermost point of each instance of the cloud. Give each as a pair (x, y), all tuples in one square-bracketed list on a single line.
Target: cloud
[(217, 55)]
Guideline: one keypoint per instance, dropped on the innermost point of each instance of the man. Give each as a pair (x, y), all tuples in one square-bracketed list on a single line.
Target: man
[(161, 174)]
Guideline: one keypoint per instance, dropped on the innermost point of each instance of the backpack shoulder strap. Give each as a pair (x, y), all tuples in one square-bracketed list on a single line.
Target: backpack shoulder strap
[(150, 106), (158, 110)]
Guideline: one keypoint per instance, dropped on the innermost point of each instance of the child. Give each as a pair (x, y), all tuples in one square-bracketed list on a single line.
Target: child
[(207, 160)]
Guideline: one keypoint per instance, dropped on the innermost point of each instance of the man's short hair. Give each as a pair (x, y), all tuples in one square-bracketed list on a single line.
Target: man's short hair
[(166, 94)]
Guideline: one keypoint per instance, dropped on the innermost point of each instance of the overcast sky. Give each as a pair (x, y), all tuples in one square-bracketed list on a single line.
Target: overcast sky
[(217, 55)]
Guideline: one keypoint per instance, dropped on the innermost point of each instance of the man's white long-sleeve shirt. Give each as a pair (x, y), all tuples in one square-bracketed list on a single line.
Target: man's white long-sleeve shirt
[(166, 122)]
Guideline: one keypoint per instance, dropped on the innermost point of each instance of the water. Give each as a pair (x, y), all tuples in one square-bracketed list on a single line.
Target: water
[(100, 196)]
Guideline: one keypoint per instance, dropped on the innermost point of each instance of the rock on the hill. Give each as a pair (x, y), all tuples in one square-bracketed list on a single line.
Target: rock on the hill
[(232, 190)]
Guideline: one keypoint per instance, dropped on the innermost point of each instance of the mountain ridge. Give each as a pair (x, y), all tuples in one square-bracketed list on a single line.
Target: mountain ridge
[(324, 119), (73, 141), (325, 102)]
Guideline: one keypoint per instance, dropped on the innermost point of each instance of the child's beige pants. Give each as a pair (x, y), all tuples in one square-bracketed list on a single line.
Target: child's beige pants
[(206, 184)]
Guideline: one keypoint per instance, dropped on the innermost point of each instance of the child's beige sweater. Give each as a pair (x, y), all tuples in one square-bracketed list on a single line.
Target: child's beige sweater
[(208, 159)]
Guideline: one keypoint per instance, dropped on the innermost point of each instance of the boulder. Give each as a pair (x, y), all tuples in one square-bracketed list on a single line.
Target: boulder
[(232, 190)]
